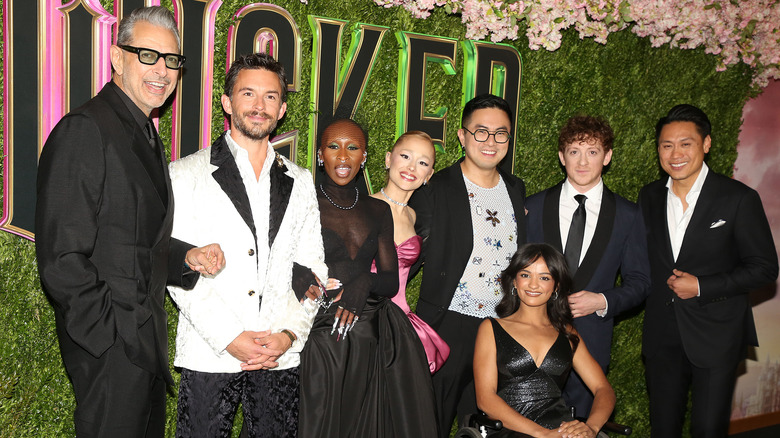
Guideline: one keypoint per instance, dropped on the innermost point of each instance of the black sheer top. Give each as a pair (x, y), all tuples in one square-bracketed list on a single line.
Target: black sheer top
[(353, 238)]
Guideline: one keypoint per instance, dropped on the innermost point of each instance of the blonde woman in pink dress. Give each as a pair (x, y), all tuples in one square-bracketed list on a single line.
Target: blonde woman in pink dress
[(409, 165)]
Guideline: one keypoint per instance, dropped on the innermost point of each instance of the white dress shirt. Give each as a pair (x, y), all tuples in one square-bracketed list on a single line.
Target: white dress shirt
[(566, 207), (257, 189), (677, 219)]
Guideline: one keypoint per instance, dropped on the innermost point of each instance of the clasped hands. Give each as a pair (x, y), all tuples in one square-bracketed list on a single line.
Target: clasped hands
[(259, 350)]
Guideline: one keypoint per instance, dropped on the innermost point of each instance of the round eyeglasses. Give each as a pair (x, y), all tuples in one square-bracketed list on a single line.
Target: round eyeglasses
[(481, 135), (149, 57)]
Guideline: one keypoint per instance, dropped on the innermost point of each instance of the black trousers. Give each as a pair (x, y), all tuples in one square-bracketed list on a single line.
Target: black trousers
[(453, 384), (114, 397), (670, 375), (208, 403)]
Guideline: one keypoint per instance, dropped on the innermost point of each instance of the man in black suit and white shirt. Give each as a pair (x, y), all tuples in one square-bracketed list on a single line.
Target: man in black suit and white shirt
[(472, 219), (611, 239), (103, 237), (709, 244)]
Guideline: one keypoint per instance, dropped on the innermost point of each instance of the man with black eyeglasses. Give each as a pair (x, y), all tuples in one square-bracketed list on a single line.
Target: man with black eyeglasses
[(472, 219), (103, 237)]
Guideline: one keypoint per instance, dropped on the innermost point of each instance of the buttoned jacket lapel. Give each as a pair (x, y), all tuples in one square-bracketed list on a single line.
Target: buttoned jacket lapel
[(229, 179), (598, 245)]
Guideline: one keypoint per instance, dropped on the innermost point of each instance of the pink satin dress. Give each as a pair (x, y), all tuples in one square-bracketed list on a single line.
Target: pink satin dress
[(436, 349)]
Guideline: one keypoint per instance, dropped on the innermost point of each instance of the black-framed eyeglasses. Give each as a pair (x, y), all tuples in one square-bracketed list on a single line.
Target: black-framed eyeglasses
[(149, 57), (481, 135)]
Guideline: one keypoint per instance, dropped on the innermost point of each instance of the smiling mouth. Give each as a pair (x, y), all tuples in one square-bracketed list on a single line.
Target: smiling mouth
[(532, 293), (158, 86), (408, 177), (677, 165), (489, 152)]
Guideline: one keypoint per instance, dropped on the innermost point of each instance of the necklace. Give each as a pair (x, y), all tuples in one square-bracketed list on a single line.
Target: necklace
[(338, 206), (402, 204)]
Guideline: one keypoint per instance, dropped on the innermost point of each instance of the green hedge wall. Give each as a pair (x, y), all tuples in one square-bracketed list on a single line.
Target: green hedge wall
[(627, 81)]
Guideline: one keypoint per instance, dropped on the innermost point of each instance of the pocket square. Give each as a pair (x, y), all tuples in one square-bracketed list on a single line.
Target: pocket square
[(718, 223)]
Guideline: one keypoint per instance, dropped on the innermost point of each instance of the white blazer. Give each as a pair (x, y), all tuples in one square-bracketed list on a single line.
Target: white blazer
[(221, 307)]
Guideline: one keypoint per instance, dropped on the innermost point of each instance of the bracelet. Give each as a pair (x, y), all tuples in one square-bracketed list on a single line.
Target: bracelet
[(290, 335)]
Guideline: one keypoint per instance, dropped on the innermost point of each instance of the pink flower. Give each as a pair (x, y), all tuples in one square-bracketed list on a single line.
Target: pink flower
[(746, 31)]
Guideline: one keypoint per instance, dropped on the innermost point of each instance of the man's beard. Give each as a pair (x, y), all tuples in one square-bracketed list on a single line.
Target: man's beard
[(254, 132)]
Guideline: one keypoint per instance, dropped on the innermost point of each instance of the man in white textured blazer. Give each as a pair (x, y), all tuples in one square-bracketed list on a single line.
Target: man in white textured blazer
[(241, 332)]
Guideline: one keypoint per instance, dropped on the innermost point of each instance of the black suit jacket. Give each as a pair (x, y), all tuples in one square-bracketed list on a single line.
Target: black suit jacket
[(728, 245), (103, 233), (618, 244), (444, 222)]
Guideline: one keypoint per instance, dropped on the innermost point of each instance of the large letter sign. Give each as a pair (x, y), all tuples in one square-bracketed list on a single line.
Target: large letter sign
[(56, 57)]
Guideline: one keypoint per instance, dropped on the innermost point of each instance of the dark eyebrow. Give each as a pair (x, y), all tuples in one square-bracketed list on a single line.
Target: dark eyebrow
[(500, 128)]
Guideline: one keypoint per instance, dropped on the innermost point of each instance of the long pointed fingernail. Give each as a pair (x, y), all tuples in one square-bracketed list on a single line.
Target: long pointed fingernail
[(341, 331), (347, 328), (335, 323)]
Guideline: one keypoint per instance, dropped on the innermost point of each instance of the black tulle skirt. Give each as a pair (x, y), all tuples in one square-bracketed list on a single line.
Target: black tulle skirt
[(374, 383)]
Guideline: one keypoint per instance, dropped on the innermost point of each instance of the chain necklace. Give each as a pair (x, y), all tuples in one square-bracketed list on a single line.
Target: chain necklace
[(402, 204), (338, 206)]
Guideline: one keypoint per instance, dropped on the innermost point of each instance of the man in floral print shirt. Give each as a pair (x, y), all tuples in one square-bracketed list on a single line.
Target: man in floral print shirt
[(472, 220)]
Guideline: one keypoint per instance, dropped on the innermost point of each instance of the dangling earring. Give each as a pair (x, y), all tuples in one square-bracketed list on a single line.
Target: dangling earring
[(365, 154), (425, 183), (319, 161), (555, 295), (513, 292), (363, 164)]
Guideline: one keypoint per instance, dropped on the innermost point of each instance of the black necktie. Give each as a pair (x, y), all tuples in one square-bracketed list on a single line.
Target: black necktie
[(158, 174), (576, 235), (151, 134)]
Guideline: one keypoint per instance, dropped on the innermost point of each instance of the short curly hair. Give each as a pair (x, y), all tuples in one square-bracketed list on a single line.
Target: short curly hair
[(588, 129)]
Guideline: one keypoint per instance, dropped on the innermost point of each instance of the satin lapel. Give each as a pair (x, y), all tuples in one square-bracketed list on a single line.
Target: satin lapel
[(229, 179), (598, 245), (281, 188), (551, 222), (705, 203)]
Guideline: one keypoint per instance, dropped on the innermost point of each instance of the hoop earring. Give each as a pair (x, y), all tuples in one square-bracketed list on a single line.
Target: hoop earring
[(555, 295), (513, 292)]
